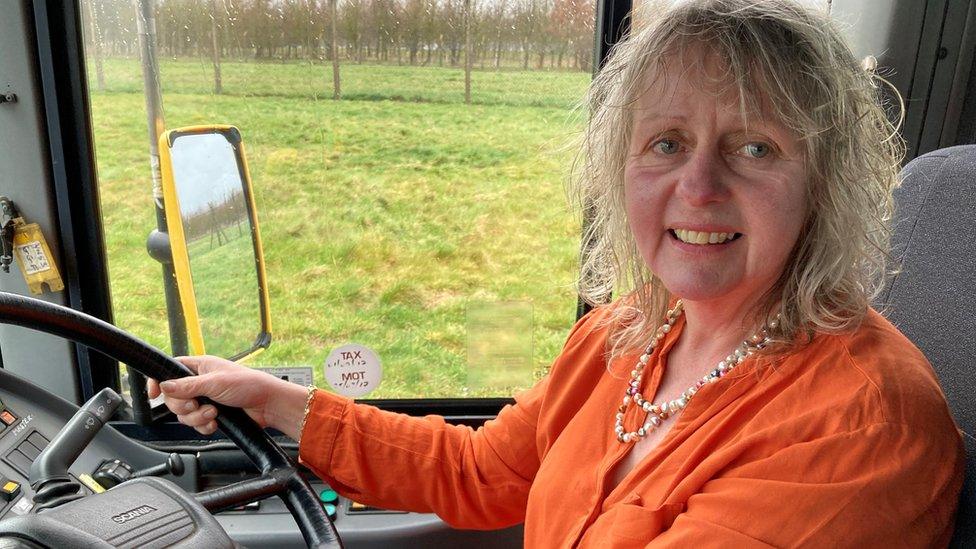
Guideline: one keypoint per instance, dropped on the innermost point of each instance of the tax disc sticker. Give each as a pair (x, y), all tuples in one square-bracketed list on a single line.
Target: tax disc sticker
[(353, 370)]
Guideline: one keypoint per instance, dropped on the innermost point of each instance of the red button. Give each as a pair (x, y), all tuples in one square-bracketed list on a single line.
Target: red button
[(7, 418)]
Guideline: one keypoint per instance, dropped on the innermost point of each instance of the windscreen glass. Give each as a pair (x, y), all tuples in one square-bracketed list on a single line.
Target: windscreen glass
[(408, 160)]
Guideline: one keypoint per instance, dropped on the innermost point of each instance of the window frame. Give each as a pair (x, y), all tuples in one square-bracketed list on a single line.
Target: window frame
[(67, 115)]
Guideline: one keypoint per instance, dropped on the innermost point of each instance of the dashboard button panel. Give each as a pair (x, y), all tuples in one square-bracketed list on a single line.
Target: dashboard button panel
[(7, 418), (8, 489), (19, 461), (23, 455)]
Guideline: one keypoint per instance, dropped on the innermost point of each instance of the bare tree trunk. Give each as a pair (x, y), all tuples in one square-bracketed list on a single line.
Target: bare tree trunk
[(218, 87), (467, 51), (336, 90), (97, 49)]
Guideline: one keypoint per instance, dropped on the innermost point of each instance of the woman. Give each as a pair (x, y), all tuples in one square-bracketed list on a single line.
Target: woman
[(739, 170)]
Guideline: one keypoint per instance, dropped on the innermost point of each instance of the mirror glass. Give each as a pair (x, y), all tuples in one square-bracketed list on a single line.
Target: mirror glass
[(213, 198)]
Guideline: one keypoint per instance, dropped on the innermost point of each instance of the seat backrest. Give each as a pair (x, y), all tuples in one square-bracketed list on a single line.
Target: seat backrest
[(932, 298)]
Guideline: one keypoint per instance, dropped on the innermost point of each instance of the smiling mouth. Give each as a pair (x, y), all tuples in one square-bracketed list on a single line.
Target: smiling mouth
[(703, 238)]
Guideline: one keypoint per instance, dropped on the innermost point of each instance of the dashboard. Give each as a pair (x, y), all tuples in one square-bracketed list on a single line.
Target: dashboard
[(30, 417)]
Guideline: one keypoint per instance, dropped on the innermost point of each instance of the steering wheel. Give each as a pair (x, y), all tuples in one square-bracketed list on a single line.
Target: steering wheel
[(279, 474)]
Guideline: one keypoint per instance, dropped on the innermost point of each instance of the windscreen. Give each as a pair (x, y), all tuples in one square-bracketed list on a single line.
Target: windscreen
[(408, 159)]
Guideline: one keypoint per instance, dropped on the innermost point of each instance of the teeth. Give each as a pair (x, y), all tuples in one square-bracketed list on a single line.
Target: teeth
[(698, 237)]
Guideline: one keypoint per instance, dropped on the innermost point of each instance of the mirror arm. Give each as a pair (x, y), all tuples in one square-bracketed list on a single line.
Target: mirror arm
[(158, 247), (157, 244)]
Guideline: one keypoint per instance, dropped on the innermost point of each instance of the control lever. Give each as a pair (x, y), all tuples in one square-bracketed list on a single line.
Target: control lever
[(173, 466), (114, 472), (49, 472)]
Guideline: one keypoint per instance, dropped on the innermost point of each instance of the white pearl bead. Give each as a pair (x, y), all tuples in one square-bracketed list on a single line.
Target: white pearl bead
[(658, 413)]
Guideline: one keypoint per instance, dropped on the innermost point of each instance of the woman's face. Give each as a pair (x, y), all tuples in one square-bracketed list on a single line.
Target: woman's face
[(715, 200)]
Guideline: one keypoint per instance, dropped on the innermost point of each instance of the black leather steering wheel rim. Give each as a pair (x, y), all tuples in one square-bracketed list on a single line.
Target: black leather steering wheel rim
[(315, 525)]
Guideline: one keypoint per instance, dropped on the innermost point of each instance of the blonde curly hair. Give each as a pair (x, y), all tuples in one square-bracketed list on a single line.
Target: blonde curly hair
[(776, 53)]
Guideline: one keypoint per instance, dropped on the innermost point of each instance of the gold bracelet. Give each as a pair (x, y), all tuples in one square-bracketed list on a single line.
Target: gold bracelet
[(308, 407)]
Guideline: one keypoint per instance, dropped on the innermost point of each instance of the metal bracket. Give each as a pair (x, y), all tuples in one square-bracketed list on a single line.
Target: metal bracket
[(7, 233), (8, 98)]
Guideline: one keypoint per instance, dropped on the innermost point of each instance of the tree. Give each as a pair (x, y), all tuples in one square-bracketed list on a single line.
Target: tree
[(336, 87), (95, 40), (218, 87), (572, 23), (467, 51)]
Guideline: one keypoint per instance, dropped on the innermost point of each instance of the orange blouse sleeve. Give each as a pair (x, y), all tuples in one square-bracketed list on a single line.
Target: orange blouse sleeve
[(475, 479), (879, 486)]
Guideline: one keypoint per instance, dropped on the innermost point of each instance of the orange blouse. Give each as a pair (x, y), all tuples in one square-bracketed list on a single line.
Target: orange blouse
[(846, 442)]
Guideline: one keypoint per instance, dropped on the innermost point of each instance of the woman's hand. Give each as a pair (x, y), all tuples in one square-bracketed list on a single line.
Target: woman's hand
[(269, 401)]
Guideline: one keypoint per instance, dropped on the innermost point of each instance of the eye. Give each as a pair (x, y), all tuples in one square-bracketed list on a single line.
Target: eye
[(666, 146), (756, 150)]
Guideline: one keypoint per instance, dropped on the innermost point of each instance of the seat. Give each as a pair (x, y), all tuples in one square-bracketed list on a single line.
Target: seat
[(932, 298)]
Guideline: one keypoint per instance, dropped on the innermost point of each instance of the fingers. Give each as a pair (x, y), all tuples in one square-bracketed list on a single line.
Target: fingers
[(152, 387), (205, 364), (200, 417), (186, 387), (181, 406), (191, 362), (208, 429), (180, 393)]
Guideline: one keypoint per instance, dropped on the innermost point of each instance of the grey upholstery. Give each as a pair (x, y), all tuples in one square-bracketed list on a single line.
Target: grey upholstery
[(932, 299)]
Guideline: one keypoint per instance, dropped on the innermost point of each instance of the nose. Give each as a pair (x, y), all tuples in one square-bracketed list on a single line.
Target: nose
[(701, 180)]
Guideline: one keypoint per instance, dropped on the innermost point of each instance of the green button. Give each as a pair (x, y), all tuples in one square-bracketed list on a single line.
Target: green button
[(328, 496), (330, 510)]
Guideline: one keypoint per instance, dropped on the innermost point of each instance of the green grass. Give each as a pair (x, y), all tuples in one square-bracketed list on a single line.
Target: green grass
[(305, 81), (384, 216)]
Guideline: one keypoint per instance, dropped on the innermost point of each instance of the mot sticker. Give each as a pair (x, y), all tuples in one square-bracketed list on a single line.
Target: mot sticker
[(353, 370)]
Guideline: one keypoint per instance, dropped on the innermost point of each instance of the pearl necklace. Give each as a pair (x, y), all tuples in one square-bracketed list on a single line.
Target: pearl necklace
[(658, 413)]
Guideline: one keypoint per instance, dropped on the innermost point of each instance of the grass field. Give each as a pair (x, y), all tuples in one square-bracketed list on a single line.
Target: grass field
[(385, 216)]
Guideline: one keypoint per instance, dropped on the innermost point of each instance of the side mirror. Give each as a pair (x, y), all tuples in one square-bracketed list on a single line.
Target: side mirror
[(215, 242)]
